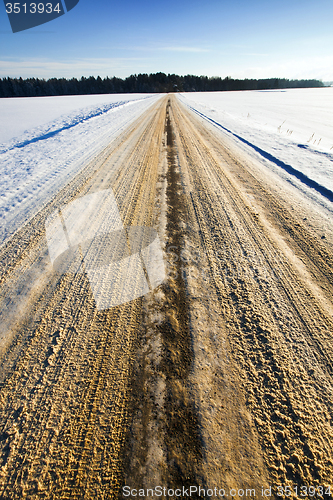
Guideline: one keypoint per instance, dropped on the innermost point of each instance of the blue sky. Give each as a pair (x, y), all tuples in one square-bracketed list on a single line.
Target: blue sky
[(237, 38)]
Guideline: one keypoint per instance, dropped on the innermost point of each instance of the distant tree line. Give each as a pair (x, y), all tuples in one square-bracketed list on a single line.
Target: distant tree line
[(142, 83)]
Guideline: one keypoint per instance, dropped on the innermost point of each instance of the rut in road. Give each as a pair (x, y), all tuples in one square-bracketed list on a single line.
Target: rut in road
[(173, 454), (221, 376)]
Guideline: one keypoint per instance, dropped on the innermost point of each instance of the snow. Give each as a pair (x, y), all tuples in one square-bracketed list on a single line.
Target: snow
[(19, 115), (292, 129), (45, 141)]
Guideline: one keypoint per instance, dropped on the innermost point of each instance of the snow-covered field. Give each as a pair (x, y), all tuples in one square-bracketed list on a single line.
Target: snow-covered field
[(45, 141), (292, 129)]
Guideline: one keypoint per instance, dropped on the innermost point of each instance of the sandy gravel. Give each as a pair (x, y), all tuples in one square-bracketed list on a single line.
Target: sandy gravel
[(220, 377)]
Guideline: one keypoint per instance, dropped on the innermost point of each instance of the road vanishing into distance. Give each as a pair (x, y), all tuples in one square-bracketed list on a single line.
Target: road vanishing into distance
[(222, 376)]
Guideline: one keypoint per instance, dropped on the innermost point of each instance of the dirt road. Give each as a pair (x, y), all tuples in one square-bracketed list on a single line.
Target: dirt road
[(220, 377)]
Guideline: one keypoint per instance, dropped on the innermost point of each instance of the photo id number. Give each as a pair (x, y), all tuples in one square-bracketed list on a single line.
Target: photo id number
[(32, 8), (304, 491)]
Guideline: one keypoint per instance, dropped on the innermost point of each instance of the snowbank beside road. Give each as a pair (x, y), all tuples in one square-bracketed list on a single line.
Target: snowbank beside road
[(27, 115), (291, 128), (45, 141)]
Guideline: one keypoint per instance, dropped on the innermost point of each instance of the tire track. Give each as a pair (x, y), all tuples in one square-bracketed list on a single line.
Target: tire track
[(182, 435)]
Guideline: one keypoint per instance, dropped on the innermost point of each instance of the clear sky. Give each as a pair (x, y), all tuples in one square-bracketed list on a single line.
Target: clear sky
[(237, 38)]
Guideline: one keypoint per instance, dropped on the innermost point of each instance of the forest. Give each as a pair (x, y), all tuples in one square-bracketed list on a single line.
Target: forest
[(141, 83)]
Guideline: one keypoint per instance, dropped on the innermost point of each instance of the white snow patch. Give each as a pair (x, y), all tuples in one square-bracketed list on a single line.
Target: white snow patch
[(21, 115), (292, 126)]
